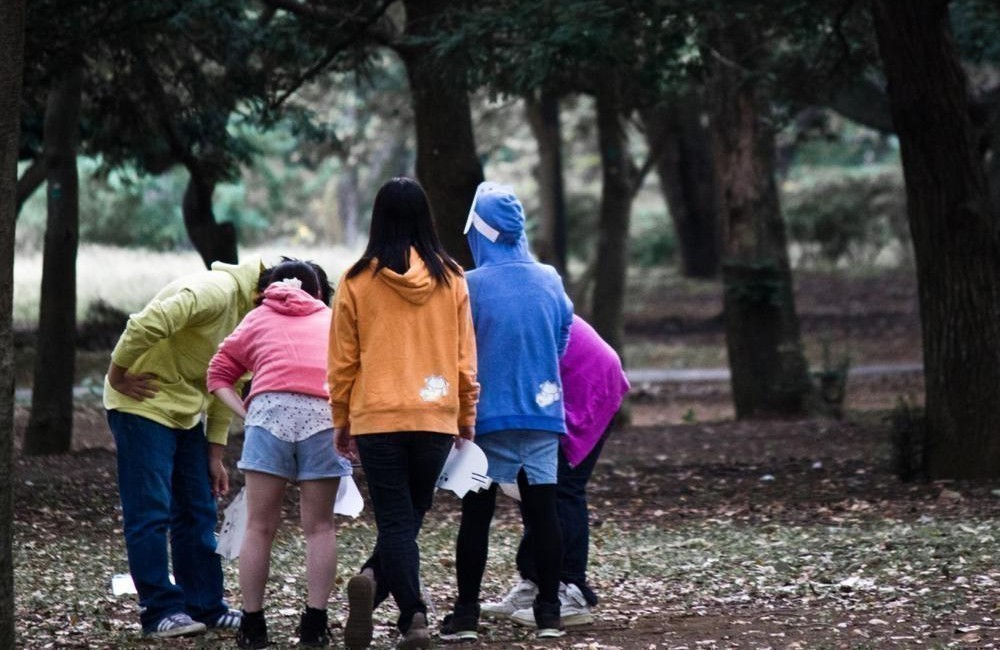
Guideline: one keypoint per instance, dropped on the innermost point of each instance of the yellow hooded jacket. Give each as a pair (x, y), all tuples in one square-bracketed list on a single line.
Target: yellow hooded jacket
[(402, 353), (175, 336)]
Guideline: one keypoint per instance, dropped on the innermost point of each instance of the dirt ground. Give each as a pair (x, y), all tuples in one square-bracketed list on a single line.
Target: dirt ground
[(688, 482)]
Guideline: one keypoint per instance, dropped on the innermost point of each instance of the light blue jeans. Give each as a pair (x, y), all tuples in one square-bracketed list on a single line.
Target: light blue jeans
[(164, 486)]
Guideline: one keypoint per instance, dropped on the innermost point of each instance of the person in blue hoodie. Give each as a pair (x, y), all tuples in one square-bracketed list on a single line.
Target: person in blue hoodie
[(521, 316)]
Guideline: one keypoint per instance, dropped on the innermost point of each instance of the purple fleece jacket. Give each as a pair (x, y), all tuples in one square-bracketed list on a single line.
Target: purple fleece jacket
[(594, 385)]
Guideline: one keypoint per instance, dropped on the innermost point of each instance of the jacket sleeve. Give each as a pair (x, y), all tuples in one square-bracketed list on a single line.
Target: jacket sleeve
[(230, 361), (159, 320), (468, 387), (344, 355)]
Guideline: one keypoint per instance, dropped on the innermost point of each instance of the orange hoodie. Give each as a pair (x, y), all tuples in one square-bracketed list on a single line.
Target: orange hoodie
[(402, 353)]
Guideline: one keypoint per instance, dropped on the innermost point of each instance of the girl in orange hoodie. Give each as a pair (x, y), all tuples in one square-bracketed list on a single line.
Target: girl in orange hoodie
[(402, 380)]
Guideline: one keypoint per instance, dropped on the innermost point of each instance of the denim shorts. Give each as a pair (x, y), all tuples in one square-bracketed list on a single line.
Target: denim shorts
[(307, 460), (507, 452)]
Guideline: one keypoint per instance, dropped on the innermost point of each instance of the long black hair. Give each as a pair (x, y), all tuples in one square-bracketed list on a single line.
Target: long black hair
[(401, 218)]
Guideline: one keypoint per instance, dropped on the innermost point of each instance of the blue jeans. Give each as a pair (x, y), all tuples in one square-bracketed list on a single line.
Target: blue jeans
[(164, 487), (574, 520), (402, 470)]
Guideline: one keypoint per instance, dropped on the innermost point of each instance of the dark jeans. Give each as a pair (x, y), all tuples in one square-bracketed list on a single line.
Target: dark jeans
[(164, 486), (538, 504), (402, 470), (574, 520)]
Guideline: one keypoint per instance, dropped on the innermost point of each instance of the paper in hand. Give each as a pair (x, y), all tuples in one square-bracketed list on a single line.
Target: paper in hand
[(464, 470), (234, 525)]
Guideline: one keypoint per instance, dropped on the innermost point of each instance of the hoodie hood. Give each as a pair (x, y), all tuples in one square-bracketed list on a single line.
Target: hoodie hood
[(414, 286), (246, 275), (495, 227), (289, 300)]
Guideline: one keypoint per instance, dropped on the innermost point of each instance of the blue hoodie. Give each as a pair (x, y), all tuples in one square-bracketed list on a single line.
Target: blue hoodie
[(522, 317)]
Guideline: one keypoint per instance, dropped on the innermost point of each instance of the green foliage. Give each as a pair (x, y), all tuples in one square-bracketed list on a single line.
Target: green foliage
[(652, 241), (850, 216)]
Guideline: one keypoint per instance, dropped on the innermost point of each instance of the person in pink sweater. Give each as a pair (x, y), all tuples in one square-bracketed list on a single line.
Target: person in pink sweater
[(288, 438), (594, 385)]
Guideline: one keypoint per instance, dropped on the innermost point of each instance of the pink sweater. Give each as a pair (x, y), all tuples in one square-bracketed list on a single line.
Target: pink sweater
[(594, 385), (283, 343)]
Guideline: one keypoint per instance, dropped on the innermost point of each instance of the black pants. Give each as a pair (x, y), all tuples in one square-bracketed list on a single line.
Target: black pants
[(574, 521), (539, 508)]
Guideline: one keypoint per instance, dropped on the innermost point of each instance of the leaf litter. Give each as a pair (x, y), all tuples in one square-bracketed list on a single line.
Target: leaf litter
[(689, 549)]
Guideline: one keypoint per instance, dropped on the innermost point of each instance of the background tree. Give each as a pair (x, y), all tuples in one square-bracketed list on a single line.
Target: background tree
[(766, 360), (956, 236), (12, 15), (50, 428)]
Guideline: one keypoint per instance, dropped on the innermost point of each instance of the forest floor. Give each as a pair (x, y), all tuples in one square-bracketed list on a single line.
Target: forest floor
[(707, 532)]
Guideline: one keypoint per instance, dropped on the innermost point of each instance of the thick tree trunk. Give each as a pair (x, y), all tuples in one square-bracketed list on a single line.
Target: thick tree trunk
[(956, 237), (50, 428), (550, 242), (617, 191), (215, 242), (447, 164), (768, 368), (686, 168), (12, 45)]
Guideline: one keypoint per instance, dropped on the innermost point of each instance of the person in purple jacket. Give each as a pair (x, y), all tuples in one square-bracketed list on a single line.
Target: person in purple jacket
[(594, 385)]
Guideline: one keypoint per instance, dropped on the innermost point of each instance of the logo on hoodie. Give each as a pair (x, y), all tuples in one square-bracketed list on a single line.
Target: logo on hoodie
[(435, 387), (548, 393)]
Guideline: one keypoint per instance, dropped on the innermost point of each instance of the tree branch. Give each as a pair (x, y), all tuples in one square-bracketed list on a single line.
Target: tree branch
[(30, 180), (361, 27)]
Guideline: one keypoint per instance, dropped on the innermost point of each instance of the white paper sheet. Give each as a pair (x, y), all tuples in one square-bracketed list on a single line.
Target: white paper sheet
[(464, 470), (234, 524)]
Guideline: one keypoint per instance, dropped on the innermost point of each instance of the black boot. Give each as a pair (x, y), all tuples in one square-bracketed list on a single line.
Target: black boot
[(313, 631), (253, 631)]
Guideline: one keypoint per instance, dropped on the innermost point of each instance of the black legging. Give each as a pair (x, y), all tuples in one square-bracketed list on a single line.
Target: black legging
[(539, 508)]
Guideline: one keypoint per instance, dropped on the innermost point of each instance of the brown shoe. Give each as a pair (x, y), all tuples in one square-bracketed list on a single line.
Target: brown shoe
[(359, 628), (418, 636)]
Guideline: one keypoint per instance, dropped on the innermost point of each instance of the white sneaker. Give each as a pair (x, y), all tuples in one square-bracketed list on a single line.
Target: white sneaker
[(573, 609), (520, 597)]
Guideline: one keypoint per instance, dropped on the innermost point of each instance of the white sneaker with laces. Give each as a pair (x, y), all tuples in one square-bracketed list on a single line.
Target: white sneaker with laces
[(573, 609), (520, 597)]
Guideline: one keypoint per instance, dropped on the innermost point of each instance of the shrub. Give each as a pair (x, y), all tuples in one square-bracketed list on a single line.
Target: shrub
[(847, 218)]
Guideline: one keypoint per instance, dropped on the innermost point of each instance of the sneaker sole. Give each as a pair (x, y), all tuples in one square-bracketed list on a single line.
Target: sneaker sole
[(460, 637), (549, 633), (187, 630), (570, 620), (497, 612), (359, 629)]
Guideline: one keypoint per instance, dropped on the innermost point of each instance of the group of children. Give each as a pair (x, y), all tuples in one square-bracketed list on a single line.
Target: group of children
[(414, 356)]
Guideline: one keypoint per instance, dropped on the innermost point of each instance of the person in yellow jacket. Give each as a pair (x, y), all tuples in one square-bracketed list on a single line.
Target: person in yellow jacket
[(402, 381), (169, 461)]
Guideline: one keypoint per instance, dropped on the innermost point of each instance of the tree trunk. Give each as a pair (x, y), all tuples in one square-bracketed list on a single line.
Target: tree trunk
[(11, 68), (543, 117), (215, 242), (617, 190), (767, 366), (447, 164), (50, 427), (348, 203), (687, 177), (956, 237)]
